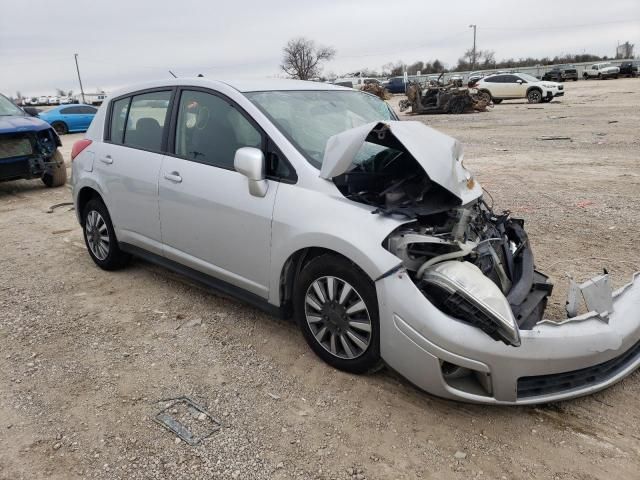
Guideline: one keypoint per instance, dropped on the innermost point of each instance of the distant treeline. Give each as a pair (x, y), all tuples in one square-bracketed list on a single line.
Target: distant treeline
[(485, 60)]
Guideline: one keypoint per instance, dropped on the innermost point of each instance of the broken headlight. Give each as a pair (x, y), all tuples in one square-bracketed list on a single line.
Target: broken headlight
[(461, 290)]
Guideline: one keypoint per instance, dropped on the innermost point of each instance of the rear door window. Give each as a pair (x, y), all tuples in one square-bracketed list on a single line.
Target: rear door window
[(71, 111), (146, 120)]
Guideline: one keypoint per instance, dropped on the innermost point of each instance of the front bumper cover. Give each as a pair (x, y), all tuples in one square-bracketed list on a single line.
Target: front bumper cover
[(416, 338)]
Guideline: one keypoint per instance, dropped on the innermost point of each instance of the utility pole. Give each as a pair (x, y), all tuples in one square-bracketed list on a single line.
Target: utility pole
[(473, 58), (79, 79)]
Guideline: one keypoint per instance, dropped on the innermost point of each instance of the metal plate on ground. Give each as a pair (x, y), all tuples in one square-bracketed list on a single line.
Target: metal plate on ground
[(188, 420)]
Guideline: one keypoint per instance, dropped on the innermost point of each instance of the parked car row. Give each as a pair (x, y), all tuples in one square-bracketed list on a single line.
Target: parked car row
[(45, 100)]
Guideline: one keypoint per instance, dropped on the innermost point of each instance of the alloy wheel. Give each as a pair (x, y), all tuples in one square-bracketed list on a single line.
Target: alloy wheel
[(97, 235), (338, 317)]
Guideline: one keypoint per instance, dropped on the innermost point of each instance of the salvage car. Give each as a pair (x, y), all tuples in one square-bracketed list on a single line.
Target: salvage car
[(601, 71), (509, 86), (28, 147), (313, 201)]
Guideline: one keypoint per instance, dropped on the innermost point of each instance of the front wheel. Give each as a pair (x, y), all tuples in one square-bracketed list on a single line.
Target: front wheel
[(100, 237), (336, 308), (56, 174), (534, 96)]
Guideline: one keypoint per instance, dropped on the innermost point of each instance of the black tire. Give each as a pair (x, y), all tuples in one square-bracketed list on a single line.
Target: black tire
[(497, 101), (575, 79), (485, 95), (599, 76), (114, 258), (585, 76), (56, 175), (335, 321), (60, 128), (534, 96)]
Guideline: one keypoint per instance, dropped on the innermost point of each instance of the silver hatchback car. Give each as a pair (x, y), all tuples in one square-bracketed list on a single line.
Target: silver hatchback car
[(313, 201)]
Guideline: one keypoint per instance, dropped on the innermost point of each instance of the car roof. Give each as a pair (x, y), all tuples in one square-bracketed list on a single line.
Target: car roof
[(242, 85)]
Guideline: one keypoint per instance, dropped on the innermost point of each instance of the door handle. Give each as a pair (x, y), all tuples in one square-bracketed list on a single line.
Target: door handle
[(106, 159), (173, 177)]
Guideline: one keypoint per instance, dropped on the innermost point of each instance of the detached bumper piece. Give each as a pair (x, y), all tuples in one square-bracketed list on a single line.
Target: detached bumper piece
[(563, 382)]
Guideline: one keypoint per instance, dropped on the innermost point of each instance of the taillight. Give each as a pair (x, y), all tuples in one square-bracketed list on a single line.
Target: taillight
[(78, 147)]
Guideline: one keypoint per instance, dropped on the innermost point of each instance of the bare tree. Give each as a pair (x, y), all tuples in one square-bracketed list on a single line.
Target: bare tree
[(60, 92), (301, 58), (19, 95)]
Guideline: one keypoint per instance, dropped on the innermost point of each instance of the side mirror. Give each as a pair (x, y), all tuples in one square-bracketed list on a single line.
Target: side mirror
[(519, 82), (249, 161)]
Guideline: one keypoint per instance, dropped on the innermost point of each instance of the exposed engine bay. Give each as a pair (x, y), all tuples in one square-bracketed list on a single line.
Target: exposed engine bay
[(496, 244), (445, 243)]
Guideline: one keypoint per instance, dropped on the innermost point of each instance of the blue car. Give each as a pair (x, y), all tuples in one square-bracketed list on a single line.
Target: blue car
[(69, 118)]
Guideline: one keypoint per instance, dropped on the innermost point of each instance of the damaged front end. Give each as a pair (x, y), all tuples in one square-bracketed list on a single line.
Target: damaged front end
[(470, 262), (27, 154), (464, 308), (475, 266)]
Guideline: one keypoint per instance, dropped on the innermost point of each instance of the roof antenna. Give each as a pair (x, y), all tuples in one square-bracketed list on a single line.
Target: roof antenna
[(174, 75)]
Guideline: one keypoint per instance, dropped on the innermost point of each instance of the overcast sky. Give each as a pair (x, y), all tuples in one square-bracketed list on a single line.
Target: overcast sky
[(121, 42)]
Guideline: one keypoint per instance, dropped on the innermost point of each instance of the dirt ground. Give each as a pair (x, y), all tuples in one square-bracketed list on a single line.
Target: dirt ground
[(87, 357)]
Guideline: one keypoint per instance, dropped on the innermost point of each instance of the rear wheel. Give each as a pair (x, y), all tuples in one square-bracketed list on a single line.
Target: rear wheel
[(100, 237), (60, 128), (336, 308), (534, 96), (56, 175)]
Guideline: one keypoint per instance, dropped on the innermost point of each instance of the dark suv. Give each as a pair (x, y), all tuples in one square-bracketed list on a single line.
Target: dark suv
[(396, 85), (28, 147), (561, 73), (629, 69)]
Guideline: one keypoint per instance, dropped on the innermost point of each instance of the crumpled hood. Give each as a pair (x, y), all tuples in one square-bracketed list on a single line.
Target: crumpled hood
[(14, 124), (439, 155)]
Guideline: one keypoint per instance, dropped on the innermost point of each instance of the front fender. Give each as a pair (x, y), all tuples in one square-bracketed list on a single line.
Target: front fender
[(305, 218)]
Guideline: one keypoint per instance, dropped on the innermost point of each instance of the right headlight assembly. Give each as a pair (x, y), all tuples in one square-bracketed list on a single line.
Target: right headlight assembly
[(462, 291)]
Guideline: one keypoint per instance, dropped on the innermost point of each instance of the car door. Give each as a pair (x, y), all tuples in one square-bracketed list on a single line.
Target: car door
[(128, 163), (210, 221), (517, 86)]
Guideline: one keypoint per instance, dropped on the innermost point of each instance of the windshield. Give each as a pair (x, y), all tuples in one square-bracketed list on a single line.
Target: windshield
[(8, 108), (310, 118), (528, 78)]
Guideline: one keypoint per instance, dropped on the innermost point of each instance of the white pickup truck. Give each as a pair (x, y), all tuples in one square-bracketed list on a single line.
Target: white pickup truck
[(601, 71)]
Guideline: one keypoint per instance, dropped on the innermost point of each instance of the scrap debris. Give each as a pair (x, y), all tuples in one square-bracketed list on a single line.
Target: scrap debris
[(377, 90), (449, 98), (553, 137), (188, 420), (57, 205)]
